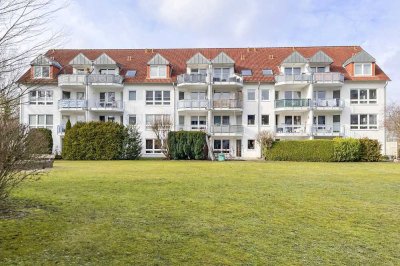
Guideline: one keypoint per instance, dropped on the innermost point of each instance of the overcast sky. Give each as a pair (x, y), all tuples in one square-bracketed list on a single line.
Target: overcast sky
[(375, 25)]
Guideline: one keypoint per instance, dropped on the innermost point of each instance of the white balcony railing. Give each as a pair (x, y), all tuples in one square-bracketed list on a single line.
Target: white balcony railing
[(104, 79), (327, 130), (328, 77), (72, 104), (192, 78), (227, 104), (192, 127), (234, 79), (298, 78), (110, 105), (291, 129), (292, 103), (72, 80), (227, 129), (328, 103), (192, 104)]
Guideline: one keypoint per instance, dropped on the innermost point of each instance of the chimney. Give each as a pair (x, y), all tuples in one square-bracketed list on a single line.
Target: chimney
[(271, 56), (242, 57), (129, 58)]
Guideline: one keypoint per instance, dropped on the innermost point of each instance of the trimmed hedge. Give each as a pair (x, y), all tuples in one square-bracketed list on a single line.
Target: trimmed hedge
[(187, 145), (300, 150), (47, 133), (336, 150), (94, 141)]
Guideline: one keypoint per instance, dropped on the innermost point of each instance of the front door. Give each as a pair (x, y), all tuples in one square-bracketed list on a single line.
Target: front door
[(238, 148)]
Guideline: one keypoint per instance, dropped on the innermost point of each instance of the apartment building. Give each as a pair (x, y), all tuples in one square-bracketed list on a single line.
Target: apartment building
[(230, 93)]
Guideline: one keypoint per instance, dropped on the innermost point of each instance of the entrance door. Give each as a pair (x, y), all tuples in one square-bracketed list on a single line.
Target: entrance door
[(238, 148)]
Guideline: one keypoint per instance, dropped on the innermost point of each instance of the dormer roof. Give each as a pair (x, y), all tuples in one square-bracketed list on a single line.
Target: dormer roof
[(104, 59), (295, 57), (360, 57), (321, 57), (198, 59), (158, 60), (43, 60), (223, 58), (80, 59)]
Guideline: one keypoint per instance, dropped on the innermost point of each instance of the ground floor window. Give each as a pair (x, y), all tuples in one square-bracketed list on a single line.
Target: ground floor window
[(251, 143), (132, 120), (41, 121), (153, 146), (265, 120), (221, 145), (363, 121)]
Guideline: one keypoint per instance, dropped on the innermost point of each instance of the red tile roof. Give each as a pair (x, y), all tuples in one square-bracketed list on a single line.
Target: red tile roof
[(255, 59)]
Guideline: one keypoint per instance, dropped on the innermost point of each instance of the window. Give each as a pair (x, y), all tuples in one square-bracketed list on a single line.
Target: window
[(181, 95), (292, 70), (181, 120), (41, 121), (363, 121), (153, 146), (132, 95), (221, 74), (80, 95), (320, 95), (251, 144), (130, 73), (201, 71), (221, 120), (164, 119), (267, 72), (336, 94), (221, 145), (41, 72), (362, 69), (317, 69), (41, 97), (363, 96), (158, 72), (246, 72), (105, 71), (132, 120), (264, 95), (265, 120), (198, 122), (292, 95), (251, 120), (158, 97), (251, 95), (80, 71)]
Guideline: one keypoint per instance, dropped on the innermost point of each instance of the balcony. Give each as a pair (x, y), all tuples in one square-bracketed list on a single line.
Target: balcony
[(73, 80), (329, 78), (192, 127), (105, 80), (328, 104), (227, 130), (227, 104), (234, 81), (293, 104), (299, 80), (61, 130), (192, 105), (192, 80), (101, 106), (291, 130), (72, 105), (334, 130)]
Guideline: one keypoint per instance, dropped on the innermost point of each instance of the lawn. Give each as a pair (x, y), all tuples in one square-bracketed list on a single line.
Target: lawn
[(207, 213)]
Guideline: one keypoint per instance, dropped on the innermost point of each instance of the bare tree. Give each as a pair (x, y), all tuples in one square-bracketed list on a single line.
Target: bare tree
[(265, 139), (25, 32), (161, 128), (392, 120)]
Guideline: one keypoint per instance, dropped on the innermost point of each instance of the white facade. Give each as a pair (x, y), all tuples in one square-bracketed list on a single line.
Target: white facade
[(211, 97)]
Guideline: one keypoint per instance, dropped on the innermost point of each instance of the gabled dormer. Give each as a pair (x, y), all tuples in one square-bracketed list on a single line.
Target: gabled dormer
[(81, 64), (223, 67), (360, 64), (320, 62), (43, 67), (158, 68), (294, 64), (104, 64), (198, 64)]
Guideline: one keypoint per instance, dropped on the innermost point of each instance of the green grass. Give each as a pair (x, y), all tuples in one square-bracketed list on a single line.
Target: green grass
[(206, 213)]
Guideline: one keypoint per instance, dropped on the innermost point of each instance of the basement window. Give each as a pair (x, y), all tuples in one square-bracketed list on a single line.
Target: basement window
[(246, 72)]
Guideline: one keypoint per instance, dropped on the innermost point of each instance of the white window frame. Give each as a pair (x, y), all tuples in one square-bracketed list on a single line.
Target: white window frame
[(248, 120), (107, 71), (40, 72), (262, 95), (262, 124), (367, 100), (129, 119), (364, 126), (198, 119), (150, 118), (36, 123), (165, 99), (254, 144), (222, 141), (251, 92), (129, 95), (362, 65), (157, 73), (36, 100), (153, 149)]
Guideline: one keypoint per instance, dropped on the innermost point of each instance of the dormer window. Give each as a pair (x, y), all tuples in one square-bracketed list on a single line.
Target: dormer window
[(292, 70), (362, 69), (202, 71), (105, 71), (41, 72), (158, 72), (317, 69), (221, 74)]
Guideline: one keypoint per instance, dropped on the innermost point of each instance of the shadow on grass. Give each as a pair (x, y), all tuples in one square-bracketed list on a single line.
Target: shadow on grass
[(18, 208)]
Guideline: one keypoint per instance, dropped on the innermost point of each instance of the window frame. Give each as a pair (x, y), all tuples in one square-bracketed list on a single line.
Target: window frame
[(253, 93), (163, 100), (367, 99), (253, 144), (254, 120), (362, 65), (133, 92), (48, 98), (158, 72), (367, 125), (154, 146), (262, 120), (40, 76), (163, 117), (262, 96), (129, 119), (45, 118)]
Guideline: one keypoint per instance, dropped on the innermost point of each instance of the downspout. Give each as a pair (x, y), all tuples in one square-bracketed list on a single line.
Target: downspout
[(259, 112), (174, 105), (384, 117)]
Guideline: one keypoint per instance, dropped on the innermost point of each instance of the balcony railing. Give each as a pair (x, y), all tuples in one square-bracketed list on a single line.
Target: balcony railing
[(227, 104), (112, 105), (299, 78), (328, 77), (192, 127), (234, 79), (192, 104), (292, 103), (291, 129), (192, 78), (72, 104), (72, 79), (327, 130), (104, 79), (328, 103), (227, 129)]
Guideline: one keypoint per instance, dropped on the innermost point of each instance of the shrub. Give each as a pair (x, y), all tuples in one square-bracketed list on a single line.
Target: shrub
[(94, 141), (48, 136), (68, 125), (300, 150), (132, 143), (346, 150), (187, 145), (370, 150)]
